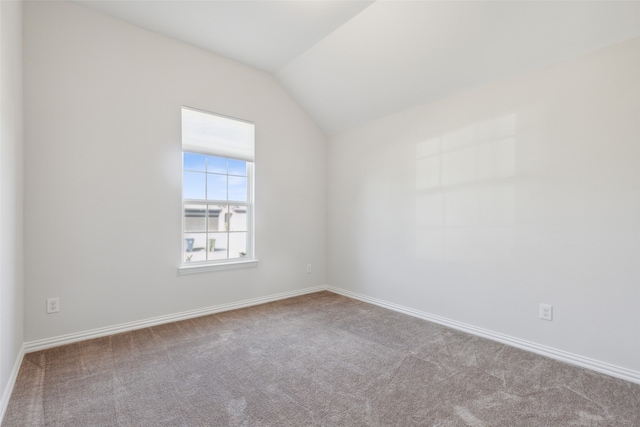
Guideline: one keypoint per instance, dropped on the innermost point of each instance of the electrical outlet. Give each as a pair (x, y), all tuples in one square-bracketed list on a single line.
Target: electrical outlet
[(546, 311), (308, 268), (53, 305)]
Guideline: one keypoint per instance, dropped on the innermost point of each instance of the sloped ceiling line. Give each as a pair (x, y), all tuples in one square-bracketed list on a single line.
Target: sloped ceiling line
[(348, 62)]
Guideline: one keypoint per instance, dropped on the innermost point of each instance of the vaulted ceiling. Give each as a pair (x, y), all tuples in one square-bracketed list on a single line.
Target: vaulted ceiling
[(348, 62)]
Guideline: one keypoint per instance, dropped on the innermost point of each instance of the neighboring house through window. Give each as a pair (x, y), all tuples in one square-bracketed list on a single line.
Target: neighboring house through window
[(217, 191)]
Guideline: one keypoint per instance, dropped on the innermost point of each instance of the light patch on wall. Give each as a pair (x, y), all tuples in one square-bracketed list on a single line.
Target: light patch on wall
[(464, 198)]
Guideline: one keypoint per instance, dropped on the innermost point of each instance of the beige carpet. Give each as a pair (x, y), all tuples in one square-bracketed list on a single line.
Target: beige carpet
[(319, 359)]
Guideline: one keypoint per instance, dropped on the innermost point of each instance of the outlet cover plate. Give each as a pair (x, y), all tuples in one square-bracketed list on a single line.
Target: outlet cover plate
[(546, 312), (53, 305)]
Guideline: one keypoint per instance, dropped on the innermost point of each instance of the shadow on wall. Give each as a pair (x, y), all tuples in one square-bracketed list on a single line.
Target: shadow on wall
[(465, 194)]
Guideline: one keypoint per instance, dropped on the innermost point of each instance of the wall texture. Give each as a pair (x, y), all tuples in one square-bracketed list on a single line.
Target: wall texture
[(480, 206), (103, 174), (11, 188)]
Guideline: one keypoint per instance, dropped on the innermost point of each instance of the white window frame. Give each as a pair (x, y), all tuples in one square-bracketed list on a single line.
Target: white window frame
[(249, 260)]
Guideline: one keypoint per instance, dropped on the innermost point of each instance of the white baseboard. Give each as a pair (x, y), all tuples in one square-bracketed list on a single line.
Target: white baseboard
[(574, 359), (561, 355), (42, 344), (8, 390)]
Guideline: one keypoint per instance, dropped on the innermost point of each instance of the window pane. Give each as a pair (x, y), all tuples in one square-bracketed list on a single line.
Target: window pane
[(216, 187), (194, 162), (217, 246), (238, 188), (194, 247), (237, 245), (195, 218), (193, 185), (237, 167), (216, 165), (238, 219), (216, 217)]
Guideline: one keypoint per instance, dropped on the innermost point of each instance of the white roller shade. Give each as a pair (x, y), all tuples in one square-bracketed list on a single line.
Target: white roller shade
[(214, 135)]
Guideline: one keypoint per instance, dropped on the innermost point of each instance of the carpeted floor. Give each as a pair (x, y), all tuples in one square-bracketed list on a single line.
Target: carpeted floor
[(319, 359)]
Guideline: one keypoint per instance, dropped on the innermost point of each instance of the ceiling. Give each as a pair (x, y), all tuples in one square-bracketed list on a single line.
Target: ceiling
[(348, 62)]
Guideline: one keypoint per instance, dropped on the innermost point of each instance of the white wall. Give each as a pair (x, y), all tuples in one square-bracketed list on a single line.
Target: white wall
[(103, 174), (480, 206), (11, 187)]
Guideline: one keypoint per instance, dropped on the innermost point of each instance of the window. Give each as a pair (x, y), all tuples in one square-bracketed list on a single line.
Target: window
[(217, 192)]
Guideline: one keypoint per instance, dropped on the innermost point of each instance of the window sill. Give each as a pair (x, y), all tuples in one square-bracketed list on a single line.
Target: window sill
[(193, 269)]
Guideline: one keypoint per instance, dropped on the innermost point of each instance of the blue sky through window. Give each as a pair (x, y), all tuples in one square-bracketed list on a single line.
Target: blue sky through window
[(214, 178)]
